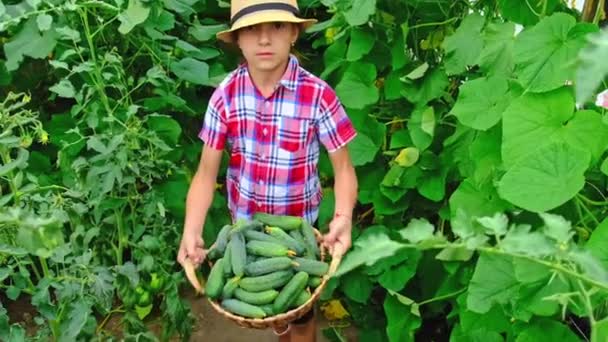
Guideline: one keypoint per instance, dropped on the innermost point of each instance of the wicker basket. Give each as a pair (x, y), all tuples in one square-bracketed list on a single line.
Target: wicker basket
[(282, 320)]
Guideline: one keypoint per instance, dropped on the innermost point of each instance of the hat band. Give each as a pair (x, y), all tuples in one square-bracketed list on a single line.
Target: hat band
[(264, 7)]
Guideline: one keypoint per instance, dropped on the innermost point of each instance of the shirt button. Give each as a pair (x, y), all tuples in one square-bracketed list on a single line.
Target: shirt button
[(265, 131)]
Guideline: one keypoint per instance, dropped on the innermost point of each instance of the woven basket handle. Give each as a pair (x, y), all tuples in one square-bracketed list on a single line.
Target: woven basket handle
[(336, 258), (192, 277)]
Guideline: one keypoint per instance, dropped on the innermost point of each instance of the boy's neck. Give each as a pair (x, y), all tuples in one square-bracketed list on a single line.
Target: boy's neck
[(267, 80)]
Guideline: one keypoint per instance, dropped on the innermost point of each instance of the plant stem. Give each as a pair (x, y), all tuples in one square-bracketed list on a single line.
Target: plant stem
[(45, 267), (445, 296), (437, 23), (588, 211), (119, 225)]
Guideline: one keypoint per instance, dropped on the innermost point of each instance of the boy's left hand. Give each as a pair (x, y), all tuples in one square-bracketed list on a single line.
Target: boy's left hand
[(339, 234)]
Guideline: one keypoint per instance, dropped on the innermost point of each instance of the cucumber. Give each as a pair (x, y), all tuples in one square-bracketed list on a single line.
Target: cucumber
[(284, 221), (251, 235), (267, 309), (228, 261), (312, 267), (256, 298), (268, 265), (238, 254), (268, 249), (310, 239), (219, 247), (290, 242), (231, 285), (290, 292), (267, 281), (314, 281), (215, 282), (301, 299), (243, 309), (242, 226)]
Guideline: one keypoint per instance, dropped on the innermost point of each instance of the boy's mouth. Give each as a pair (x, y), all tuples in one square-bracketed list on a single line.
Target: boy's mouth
[(264, 54)]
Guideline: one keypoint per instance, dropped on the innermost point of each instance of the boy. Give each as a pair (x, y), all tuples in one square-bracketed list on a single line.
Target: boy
[(273, 114)]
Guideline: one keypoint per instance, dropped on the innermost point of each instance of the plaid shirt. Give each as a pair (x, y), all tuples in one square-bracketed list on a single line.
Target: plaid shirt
[(274, 142)]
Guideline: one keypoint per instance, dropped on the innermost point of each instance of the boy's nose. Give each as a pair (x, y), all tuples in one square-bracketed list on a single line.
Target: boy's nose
[(264, 35)]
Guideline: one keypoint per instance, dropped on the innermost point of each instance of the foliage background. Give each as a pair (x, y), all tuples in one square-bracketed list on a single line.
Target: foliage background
[(481, 160)]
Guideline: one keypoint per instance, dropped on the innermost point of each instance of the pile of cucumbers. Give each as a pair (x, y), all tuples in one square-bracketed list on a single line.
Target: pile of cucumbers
[(265, 266)]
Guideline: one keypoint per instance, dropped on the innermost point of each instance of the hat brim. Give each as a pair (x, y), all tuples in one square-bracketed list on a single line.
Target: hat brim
[(263, 17)]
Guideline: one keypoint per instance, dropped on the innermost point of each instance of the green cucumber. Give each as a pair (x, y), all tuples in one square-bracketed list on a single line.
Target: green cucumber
[(231, 285), (284, 221), (215, 281), (314, 281), (310, 238), (290, 242), (267, 309), (242, 226), (238, 251), (267, 281), (256, 298), (228, 261), (268, 265), (243, 309), (301, 299), (312, 267), (290, 292), (219, 247), (268, 249), (251, 235)]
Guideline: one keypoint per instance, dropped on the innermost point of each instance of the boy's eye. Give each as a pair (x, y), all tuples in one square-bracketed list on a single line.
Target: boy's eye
[(279, 26)]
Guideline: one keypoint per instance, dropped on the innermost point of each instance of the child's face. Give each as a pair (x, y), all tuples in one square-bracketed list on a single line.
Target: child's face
[(266, 46)]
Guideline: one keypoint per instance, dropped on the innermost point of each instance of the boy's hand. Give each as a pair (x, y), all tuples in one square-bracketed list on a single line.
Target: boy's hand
[(339, 234), (191, 247)]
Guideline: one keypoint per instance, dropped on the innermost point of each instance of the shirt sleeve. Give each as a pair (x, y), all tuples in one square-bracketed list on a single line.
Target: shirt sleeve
[(215, 128), (335, 128)]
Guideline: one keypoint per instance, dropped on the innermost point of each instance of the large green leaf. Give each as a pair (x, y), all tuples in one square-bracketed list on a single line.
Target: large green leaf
[(482, 101), (477, 334), (545, 54), (592, 70), (597, 243), (357, 88), (204, 33), (28, 42), (431, 87), (421, 127), (546, 179), (496, 57), (135, 14), (191, 70), (401, 323), (525, 12), (536, 120), (417, 230), (493, 282), (547, 330), (599, 331), (464, 46), (166, 127), (362, 150), (360, 12), (397, 277), (372, 245), (357, 286), (361, 42)]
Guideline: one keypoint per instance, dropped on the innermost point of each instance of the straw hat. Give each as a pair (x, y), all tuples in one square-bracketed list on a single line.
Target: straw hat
[(245, 13)]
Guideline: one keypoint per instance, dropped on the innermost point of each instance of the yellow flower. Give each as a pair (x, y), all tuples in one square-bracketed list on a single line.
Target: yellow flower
[(333, 310), (43, 137)]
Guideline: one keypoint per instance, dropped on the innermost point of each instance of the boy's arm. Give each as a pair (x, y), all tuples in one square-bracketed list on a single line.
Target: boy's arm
[(200, 196), (345, 189)]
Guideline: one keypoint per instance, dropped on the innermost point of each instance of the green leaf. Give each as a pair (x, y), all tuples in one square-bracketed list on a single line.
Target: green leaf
[(534, 121), (604, 166), (525, 12), (360, 12), (432, 184), (401, 323), (44, 22), (421, 127), (19, 162), (496, 57), (357, 286), (398, 276), (372, 245), (357, 88), (362, 150), (417, 230), (493, 282), (464, 46), (546, 179), (599, 331), (128, 270), (144, 311), (454, 254), (64, 89), (135, 14), (191, 70), (75, 321), (477, 334), (166, 127), (520, 240), (431, 87), (597, 242), (361, 43), (482, 101), (28, 42), (591, 71), (476, 199), (546, 330), (545, 54), (496, 225), (557, 227), (407, 157), (205, 33)]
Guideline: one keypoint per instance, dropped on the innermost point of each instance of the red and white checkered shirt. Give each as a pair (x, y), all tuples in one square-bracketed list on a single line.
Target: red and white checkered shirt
[(274, 142)]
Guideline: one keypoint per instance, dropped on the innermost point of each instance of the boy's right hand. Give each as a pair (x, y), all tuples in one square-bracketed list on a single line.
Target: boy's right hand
[(191, 247)]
